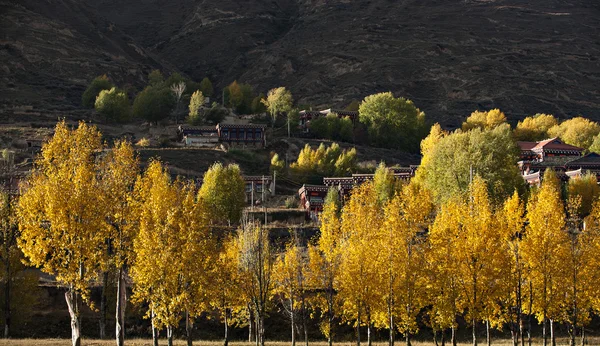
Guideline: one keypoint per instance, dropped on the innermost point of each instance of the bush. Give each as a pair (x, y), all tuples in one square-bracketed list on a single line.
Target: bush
[(143, 143), (113, 105), (291, 202), (216, 114), (88, 99)]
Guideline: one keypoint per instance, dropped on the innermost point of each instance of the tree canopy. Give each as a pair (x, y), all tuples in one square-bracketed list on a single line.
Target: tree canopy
[(223, 191), (113, 104), (279, 101), (535, 128), (578, 131), (393, 122), (154, 103), (484, 120), (88, 99)]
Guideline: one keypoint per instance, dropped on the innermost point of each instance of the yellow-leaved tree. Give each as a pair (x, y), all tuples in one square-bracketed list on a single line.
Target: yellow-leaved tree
[(255, 262), (119, 169), (484, 120), (443, 290), (358, 284), (402, 235), (289, 274), (172, 250), (61, 216), (511, 227), (481, 256), (590, 238), (543, 250), (324, 264)]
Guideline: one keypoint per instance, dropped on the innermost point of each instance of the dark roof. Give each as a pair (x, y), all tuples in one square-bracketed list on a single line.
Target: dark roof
[(526, 145), (197, 128), (591, 159), (242, 126)]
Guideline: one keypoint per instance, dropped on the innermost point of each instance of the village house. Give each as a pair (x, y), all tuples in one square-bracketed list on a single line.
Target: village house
[(306, 116), (198, 136), (243, 134)]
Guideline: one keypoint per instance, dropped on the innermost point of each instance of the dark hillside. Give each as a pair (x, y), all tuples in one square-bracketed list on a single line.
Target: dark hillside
[(450, 56)]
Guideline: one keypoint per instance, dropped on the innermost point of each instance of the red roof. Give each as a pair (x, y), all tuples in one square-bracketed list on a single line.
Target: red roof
[(556, 144), (526, 145)]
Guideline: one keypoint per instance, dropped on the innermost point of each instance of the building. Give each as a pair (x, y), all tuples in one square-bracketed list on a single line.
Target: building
[(307, 116), (312, 198), (243, 134), (536, 156), (258, 188), (198, 136)]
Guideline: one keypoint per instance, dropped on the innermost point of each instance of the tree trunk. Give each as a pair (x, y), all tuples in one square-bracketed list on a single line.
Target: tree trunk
[(154, 330), (407, 339), (391, 316), (262, 329), (552, 336), (544, 335), (304, 326), (293, 324), (330, 318), (358, 328), (226, 338), (453, 336), (369, 338), (72, 305), (7, 284), (474, 332), (487, 333), (170, 336), (102, 321), (188, 328), (529, 317), (583, 336), (435, 340), (443, 337), (250, 322), (120, 310)]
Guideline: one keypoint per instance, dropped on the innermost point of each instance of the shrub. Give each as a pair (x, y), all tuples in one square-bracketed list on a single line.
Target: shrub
[(113, 105), (291, 202), (143, 143), (154, 103)]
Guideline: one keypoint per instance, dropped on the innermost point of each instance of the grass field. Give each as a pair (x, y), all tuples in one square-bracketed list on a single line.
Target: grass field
[(148, 342)]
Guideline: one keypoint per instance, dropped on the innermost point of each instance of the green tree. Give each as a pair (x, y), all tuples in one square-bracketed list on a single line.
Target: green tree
[(277, 164), (155, 78), (257, 106), (384, 183), (113, 104), (279, 101), (206, 87), (484, 120), (447, 168), (535, 128), (99, 83), (578, 131), (333, 127), (196, 101), (393, 122), (154, 103), (223, 191)]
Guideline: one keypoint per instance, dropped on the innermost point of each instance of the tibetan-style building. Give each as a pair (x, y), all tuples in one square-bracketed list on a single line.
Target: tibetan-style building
[(198, 136), (258, 187), (536, 156), (243, 134), (312, 198)]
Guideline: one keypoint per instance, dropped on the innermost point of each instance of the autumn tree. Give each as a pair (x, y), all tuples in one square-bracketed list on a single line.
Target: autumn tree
[(113, 105), (586, 187), (544, 250), (393, 122), (324, 264), (88, 99), (289, 274), (535, 128), (10, 255), (255, 260), (118, 172), (172, 250), (384, 183), (313, 164), (358, 284), (62, 224), (577, 131), (484, 120), (511, 227), (196, 101), (407, 217), (449, 164), (443, 289), (227, 294), (223, 191), (279, 101)]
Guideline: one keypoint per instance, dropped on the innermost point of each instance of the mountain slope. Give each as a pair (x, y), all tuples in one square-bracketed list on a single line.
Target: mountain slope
[(51, 49), (450, 56)]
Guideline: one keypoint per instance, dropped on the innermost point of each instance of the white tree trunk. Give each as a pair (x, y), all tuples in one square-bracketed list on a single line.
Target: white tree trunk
[(71, 299), (120, 309)]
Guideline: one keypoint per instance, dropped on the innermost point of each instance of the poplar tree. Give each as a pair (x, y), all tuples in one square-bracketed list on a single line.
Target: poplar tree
[(324, 264), (119, 170), (544, 249), (406, 217), (359, 286), (61, 216)]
